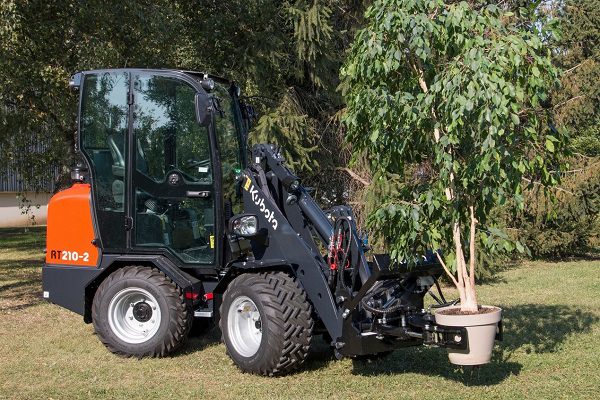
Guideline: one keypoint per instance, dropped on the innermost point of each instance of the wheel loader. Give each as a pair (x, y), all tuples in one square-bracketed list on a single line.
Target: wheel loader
[(172, 222)]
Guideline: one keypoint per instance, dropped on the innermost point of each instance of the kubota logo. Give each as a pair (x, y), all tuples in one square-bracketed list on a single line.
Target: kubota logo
[(260, 203)]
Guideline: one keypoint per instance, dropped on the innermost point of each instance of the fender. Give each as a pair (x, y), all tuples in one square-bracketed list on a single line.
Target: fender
[(111, 263), (82, 282), (238, 268)]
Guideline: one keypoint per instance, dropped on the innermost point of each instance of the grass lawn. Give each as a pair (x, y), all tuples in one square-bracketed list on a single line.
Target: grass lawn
[(551, 348)]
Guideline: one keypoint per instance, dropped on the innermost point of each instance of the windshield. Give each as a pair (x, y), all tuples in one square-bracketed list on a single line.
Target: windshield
[(227, 128)]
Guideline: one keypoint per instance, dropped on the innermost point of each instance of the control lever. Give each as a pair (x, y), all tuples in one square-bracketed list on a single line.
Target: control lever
[(202, 194)]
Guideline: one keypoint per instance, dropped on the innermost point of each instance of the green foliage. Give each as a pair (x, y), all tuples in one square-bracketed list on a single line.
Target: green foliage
[(312, 37), (41, 44), (578, 53), (448, 96), (286, 52), (289, 127), (568, 225)]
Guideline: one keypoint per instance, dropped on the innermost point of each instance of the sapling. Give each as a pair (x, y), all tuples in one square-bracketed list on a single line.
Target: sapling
[(449, 101)]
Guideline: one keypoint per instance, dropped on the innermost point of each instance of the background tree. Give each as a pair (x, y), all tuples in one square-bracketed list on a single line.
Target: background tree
[(446, 98), (41, 44), (568, 224), (286, 55), (578, 53)]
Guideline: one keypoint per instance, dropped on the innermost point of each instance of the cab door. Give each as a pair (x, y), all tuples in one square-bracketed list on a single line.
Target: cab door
[(173, 192)]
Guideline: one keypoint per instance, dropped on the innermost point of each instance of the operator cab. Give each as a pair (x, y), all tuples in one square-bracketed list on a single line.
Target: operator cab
[(163, 148)]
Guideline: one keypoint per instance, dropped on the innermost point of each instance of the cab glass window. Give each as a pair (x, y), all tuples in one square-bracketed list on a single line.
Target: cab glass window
[(167, 134), (103, 129), (228, 131)]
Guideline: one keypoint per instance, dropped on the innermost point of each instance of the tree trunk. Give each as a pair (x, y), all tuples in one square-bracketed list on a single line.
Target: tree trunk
[(466, 279)]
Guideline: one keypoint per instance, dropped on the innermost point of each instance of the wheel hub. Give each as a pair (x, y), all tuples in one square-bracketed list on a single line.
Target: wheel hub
[(142, 311), (244, 326), (134, 315)]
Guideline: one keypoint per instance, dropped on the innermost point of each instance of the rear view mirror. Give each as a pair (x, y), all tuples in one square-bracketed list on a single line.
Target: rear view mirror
[(203, 108)]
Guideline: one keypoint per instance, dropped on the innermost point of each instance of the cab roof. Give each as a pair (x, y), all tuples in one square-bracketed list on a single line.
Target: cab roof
[(198, 75)]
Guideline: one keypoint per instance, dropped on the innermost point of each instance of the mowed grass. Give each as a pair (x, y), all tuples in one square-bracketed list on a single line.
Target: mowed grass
[(551, 348)]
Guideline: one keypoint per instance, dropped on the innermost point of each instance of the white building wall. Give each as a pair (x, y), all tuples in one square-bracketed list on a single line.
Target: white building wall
[(11, 215)]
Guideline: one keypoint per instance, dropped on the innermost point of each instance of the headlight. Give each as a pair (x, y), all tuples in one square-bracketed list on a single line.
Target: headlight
[(244, 225)]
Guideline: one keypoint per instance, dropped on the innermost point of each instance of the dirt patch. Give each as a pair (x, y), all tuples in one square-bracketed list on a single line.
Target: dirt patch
[(457, 311)]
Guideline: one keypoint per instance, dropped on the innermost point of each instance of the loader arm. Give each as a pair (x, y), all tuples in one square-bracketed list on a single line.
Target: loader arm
[(295, 233)]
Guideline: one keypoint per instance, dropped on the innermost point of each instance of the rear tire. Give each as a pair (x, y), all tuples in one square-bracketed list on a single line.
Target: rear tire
[(266, 323), (138, 311)]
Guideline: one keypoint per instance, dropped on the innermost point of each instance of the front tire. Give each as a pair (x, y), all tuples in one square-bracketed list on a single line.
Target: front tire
[(138, 311), (266, 323)]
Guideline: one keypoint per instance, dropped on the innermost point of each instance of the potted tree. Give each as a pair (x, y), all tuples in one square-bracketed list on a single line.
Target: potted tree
[(448, 100)]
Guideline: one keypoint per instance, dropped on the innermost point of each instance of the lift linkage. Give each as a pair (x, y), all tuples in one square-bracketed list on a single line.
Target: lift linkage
[(369, 329), (365, 306)]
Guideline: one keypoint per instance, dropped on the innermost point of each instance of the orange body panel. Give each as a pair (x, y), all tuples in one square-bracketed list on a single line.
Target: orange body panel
[(70, 228)]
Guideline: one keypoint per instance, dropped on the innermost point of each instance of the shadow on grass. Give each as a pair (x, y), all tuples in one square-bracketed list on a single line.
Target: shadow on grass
[(25, 292), (19, 239), (20, 279), (537, 328), (20, 284), (198, 341), (434, 362), (542, 328), (11, 269)]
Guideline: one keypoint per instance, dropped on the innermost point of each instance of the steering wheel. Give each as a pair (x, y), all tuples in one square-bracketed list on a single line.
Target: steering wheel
[(174, 177)]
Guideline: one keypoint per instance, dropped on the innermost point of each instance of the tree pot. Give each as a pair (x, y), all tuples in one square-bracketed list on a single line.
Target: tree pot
[(481, 330)]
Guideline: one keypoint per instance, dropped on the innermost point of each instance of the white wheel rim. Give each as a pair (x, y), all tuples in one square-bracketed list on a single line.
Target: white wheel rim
[(132, 321), (244, 326)]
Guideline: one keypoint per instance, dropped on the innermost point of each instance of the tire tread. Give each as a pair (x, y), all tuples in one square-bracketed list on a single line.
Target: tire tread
[(180, 318), (291, 324)]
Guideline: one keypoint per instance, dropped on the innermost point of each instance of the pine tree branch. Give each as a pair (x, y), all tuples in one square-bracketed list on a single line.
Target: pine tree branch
[(542, 185), (354, 175), (578, 65), (570, 100)]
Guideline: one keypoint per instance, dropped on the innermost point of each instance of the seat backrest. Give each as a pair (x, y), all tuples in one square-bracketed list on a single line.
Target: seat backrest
[(116, 144)]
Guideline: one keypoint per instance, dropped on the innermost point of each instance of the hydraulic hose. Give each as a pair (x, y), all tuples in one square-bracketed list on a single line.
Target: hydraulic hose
[(384, 286), (343, 226), (386, 310), (325, 229)]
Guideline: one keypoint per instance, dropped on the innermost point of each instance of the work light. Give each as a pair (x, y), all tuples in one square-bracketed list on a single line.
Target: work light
[(245, 225)]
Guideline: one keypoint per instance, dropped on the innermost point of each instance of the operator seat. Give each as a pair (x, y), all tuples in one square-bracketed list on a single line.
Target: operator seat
[(153, 225), (116, 144)]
